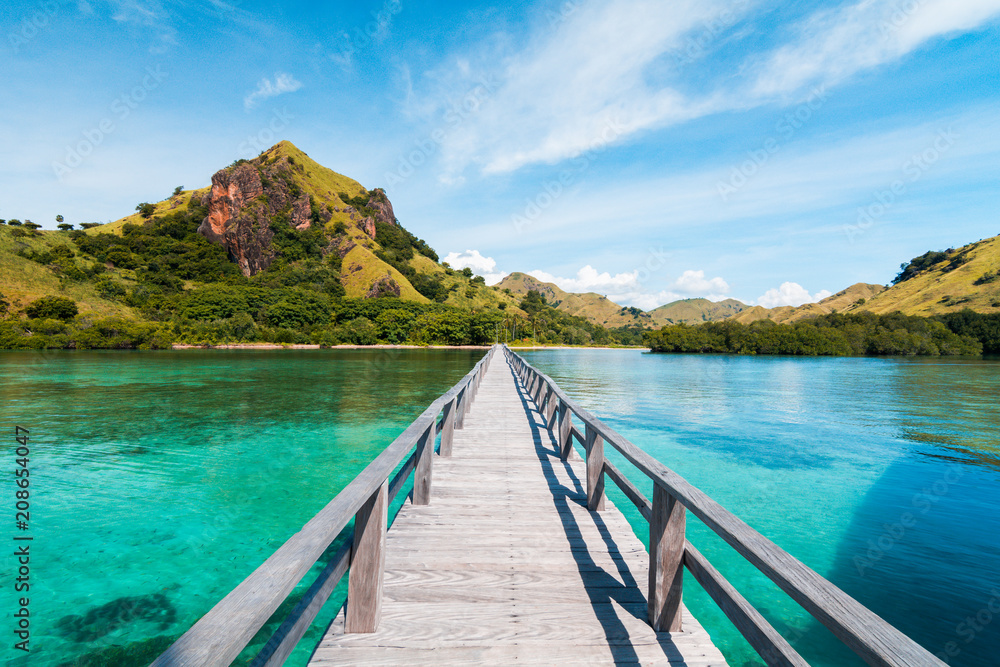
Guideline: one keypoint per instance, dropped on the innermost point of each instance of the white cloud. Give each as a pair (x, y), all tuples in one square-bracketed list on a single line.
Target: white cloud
[(481, 266), (694, 283), (589, 280), (790, 294), (283, 83), (626, 289), (587, 84)]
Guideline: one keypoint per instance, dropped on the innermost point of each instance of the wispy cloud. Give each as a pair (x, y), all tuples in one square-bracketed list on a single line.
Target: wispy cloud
[(283, 83), (561, 93), (835, 44)]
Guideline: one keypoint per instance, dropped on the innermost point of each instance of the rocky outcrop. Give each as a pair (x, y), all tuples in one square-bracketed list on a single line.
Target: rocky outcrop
[(243, 207), (231, 222), (380, 204), (384, 286)]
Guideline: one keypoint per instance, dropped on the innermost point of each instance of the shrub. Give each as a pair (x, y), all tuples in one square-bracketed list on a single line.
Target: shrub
[(52, 306)]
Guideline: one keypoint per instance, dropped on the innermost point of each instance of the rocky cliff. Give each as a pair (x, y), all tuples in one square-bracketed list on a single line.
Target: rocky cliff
[(245, 202)]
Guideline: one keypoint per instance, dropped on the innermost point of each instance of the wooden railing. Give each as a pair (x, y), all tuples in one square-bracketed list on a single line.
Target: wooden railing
[(221, 634), (867, 634)]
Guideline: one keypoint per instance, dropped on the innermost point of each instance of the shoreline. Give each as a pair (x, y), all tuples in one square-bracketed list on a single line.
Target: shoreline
[(313, 346)]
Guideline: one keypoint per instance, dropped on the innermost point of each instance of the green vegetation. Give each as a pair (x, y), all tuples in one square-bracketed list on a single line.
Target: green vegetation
[(858, 334), (549, 326), (932, 260)]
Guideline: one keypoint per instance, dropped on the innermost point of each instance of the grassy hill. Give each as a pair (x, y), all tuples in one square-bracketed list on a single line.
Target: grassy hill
[(946, 282), (847, 300), (592, 307), (598, 309), (277, 249), (692, 311)]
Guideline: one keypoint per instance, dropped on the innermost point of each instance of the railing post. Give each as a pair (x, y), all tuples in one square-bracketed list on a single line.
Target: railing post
[(565, 437), (595, 470), (422, 471), (460, 402), (364, 584), (666, 561), (537, 396), (448, 427), (550, 409)]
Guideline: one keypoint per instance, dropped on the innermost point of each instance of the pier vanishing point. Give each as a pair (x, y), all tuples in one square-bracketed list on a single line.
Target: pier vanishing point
[(507, 552)]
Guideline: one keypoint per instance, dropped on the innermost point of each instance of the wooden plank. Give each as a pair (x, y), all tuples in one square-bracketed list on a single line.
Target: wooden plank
[(364, 583), (294, 627), (758, 632), (629, 489), (666, 561)]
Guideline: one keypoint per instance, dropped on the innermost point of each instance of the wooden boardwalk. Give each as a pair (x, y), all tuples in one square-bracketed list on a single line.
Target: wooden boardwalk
[(506, 565)]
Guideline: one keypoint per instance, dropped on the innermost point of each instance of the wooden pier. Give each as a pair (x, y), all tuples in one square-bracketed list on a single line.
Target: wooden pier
[(507, 565), (508, 552)]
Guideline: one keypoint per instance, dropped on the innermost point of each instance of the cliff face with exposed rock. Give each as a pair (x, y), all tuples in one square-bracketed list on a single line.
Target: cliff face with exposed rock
[(244, 203)]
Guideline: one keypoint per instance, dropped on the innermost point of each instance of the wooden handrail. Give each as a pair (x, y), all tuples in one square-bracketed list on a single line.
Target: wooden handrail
[(221, 634), (863, 631)]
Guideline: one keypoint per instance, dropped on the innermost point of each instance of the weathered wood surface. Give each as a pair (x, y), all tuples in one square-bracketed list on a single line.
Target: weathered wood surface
[(507, 565)]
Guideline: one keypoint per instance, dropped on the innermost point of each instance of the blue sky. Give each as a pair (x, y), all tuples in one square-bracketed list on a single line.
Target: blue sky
[(770, 152)]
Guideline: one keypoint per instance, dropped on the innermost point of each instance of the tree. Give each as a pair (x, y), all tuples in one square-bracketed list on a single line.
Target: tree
[(57, 307), (178, 190), (14, 222), (32, 225), (89, 225), (2, 221), (59, 218), (65, 226), (146, 209)]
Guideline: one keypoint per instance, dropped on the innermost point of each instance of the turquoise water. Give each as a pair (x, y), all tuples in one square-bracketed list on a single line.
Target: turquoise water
[(881, 474), (160, 480)]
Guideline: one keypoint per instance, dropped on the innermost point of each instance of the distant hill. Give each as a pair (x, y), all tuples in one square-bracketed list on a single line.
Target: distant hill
[(693, 311), (598, 309), (595, 308), (946, 281), (845, 300)]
